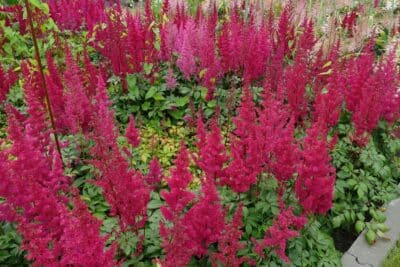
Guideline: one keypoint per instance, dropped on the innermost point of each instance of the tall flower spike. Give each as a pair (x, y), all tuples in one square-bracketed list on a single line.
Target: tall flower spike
[(7, 79), (229, 243), (131, 133), (212, 155), (284, 228), (315, 183)]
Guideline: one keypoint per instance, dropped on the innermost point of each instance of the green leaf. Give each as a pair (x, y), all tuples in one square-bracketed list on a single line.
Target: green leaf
[(42, 6), (337, 221), (181, 101), (370, 236), (150, 93), (147, 68), (360, 225)]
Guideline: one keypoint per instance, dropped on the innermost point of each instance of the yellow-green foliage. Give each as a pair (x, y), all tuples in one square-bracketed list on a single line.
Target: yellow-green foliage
[(393, 259)]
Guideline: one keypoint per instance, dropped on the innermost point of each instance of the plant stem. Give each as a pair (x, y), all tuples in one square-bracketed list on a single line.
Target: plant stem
[(40, 66)]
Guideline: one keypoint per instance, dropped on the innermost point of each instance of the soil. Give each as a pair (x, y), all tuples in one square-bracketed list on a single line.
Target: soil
[(344, 239)]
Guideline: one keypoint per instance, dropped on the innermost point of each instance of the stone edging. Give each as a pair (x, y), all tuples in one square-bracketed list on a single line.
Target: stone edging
[(363, 254)]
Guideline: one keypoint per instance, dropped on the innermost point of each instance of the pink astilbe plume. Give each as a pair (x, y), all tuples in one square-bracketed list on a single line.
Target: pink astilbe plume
[(316, 176), (186, 61), (7, 79), (284, 228), (171, 80), (132, 133), (123, 188)]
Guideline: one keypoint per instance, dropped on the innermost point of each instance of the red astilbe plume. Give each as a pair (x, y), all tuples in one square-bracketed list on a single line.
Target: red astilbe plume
[(56, 94), (35, 190), (329, 98), (246, 151), (316, 176), (204, 222), (34, 97), (349, 21), (391, 93), (371, 93), (14, 14), (212, 153), (297, 76), (90, 73), (7, 79), (123, 188), (111, 40), (81, 241), (175, 241), (131, 133), (257, 50), (155, 174), (136, 42), (284, 33), (77, 104), (229, 243), (284, 228), (75, 14), (276, 132)]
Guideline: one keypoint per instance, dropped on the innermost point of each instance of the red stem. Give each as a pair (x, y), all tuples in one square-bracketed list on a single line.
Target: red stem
[(40, 66)]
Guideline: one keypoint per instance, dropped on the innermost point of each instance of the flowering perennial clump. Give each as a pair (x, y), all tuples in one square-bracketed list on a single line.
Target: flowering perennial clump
[(293, 96)]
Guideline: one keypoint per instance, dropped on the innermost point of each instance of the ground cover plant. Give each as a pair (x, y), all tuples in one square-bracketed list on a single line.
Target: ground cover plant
[(393, 258), (194, 134)]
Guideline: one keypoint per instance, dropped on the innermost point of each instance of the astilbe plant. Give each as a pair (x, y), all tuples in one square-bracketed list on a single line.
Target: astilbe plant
[(284, 228), (229, 243), (245, 153), (212, 155), (175, 241), (132, 133), (76, 101), (123, 188), (370, 92), (73, 15), (36, 195), (7, 79), (316, 175), (204, 222)]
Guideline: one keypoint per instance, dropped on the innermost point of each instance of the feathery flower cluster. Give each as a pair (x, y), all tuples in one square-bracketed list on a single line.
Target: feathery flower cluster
[(285, 227), (229, 243), (371, 92), (36, 192), (123, 188), (7, 79), (316, 175)]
